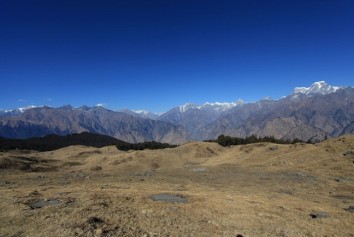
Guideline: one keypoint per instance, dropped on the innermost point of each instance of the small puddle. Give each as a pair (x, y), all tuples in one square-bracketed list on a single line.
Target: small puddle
[(164, 197), (44, 202), (199, 169)]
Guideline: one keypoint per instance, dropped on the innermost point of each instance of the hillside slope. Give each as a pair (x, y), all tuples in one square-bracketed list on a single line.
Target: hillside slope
[(260, 189)]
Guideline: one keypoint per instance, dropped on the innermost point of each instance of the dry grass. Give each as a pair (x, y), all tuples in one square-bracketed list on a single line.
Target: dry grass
[(252, 190)]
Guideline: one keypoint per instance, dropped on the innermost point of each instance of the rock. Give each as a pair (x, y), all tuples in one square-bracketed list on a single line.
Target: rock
[(273, 148), (348, 153), (319, 214), (350, 209), (95, 220)]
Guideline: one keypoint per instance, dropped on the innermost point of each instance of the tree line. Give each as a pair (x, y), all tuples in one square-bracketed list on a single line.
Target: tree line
[(54, 142), (228, 140), (152, 145)]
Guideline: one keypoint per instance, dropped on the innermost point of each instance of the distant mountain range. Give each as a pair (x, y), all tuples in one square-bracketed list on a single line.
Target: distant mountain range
[(310, 113), (40, 121)]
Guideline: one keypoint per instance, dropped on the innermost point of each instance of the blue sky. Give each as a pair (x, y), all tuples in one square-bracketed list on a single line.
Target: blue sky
[(155, 55)]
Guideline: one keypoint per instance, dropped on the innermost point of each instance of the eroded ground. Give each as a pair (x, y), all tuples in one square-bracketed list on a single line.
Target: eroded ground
[(253, 190)]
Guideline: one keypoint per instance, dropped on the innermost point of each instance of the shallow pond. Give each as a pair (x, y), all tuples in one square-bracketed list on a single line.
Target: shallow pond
[(165, 197), (44, 202)]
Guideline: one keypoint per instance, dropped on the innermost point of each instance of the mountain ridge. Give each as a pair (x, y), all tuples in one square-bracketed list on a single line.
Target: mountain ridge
[(306, 118), (319, 87), (65, 120), (309, 113)]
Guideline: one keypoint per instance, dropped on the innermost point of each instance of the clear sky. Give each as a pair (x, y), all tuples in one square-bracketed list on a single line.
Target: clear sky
[(159, 54)]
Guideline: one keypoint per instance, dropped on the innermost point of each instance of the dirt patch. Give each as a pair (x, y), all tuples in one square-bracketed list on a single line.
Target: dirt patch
[(89, 153), (27, 164), (96, 168), (343, 197), (71, 163)]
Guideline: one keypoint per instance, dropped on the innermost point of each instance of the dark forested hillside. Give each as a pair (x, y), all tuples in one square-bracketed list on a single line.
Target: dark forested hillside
[(54, 142)]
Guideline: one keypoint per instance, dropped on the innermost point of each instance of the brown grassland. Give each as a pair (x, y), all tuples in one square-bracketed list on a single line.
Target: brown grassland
[(259, 189)]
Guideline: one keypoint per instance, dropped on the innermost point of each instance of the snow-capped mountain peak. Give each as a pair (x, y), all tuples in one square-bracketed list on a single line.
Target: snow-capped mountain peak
[(221, 106), (21, 109), (141, 112), (17, 111), (320, 87), (216, 106), (186, 107), (145, 114)]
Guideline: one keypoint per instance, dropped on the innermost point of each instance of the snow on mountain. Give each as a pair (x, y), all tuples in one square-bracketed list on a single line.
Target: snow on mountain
[(267, 98), (320, 87), (186, 107), (23, 109), (140, 113), (13, 112), (216, 106), (145, 114)]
